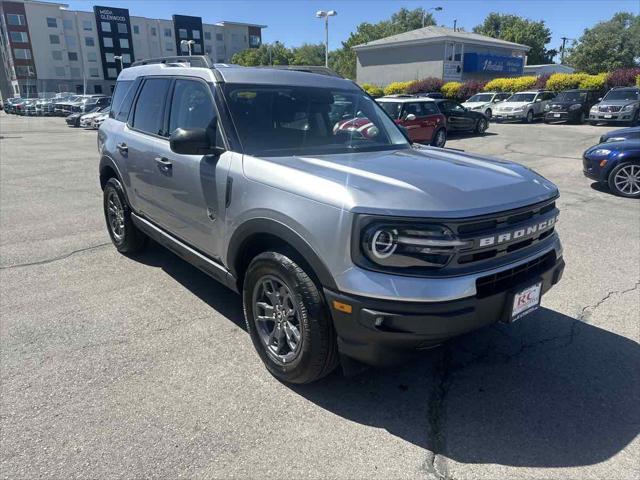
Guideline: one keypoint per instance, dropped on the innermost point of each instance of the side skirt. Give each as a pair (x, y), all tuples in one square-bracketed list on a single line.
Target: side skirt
[(184, 251)]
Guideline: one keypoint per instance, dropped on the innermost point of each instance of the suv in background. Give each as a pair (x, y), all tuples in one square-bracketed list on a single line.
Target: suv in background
[(570, 106), (346, 247), (485, 102), (419, 116), (523, 106), (620, 104)]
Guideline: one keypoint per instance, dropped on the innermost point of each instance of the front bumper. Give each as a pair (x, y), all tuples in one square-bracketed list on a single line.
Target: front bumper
[(572, 116), (385, 332), (509, 116), (611, 117)]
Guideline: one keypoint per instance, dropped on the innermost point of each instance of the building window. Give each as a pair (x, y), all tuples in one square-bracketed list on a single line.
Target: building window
[(124, 43), (56, 54), (25, 71), (92, 57), (207, 35), (108, 42), (94, 73), (70, 41), (112, 72), (196, 34), (182, 33), (197, 48), (153, 31), (67, 24), (168, 47), (97, 89), (22, 53), (19, 37), (109, 57), (254, 40), (60, 72), (219, 37), (88, 41), (167, 32), (73, 56), (54, 39), (87, 26), (106, 26), (16, 19), (75, 73), (126, 58), (52, 22), (136, 30), (122, 28)]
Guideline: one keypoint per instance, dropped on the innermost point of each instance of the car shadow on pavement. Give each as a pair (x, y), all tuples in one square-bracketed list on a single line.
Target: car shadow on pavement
[(547, 391)]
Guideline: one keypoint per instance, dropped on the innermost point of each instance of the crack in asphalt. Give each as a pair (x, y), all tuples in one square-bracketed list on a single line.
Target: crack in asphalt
[(508, 148), (436, 463), (55, 259)]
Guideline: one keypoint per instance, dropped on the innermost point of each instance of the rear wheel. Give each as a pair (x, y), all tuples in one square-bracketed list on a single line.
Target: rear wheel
[(624, 180), (440, 138), (481, 126), (288, 320), (124, 234)]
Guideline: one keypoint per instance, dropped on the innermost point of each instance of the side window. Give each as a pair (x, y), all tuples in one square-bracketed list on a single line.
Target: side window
[(192, 106), (429, 108), (413, 109), (121, 102), (149, 109)]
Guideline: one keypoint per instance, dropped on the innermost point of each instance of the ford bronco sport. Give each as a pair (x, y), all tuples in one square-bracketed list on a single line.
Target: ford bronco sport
[(343, 246)]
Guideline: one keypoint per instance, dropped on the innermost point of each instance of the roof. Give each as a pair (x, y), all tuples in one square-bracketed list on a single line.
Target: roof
[(274, 76), (240, 24), (405, 99), (437, 34)]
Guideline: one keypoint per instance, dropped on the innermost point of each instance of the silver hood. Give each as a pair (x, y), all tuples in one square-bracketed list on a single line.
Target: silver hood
[(428, 182)]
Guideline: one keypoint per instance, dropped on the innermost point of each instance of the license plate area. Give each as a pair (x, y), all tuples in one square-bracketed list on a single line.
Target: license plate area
[(556, 115), (522, 301)]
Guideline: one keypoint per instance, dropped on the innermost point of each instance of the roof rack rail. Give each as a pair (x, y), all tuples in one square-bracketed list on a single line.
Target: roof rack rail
[(194, 60), (306, 68)]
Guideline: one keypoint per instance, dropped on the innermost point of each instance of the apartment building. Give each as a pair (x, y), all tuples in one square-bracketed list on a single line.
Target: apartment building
[(45, 47)]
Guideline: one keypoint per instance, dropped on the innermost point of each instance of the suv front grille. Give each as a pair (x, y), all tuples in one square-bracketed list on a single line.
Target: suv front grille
[(610, 108), (501, 281)]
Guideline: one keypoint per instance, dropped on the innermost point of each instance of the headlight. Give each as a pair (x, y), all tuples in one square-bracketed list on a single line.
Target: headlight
[(575, 106), (601, 152), (628, 108), (406, 246), (594, 108)]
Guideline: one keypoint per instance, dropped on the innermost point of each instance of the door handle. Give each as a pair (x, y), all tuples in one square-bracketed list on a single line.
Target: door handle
[(163, 163), (122, 147)]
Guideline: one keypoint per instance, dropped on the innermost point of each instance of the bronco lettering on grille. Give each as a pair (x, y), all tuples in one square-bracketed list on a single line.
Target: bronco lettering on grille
[(517, 234)]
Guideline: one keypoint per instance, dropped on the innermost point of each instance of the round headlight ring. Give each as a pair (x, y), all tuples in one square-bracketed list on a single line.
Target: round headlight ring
[(384, 242)]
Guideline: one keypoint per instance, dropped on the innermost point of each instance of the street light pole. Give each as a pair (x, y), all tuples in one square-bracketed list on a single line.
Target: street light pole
[(424, 14), (119, 58), (326, 14)]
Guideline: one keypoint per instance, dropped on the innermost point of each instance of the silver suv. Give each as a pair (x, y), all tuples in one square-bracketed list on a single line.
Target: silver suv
[(523, 106), (620, 104), (348, 244)]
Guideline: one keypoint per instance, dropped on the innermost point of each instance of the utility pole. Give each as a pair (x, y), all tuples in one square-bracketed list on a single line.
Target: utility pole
[(562, 48), (455, 24)]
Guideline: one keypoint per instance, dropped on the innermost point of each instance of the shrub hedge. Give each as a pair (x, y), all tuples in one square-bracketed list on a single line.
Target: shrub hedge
[(426, 85), (373, 90), (395, 88)]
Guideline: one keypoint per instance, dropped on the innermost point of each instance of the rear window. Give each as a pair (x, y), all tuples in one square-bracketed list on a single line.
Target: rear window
[(121, 101), (149, 111), (392, 108)]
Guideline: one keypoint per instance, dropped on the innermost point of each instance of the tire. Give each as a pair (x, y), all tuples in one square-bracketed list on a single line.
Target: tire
[(616, 182), (581, 119), (481, 126), (529, 117), (439, 138), (488, 113), (315, 355), (124, 234)]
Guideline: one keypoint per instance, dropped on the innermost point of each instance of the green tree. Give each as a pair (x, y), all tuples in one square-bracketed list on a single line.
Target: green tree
[(267, 54), (308, 54), (608, 45), (512, 28), (343, 60)]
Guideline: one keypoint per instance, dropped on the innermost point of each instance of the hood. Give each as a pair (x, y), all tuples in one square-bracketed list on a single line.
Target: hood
[(512, 104), (474, 104), (409, 182), (622, 103)]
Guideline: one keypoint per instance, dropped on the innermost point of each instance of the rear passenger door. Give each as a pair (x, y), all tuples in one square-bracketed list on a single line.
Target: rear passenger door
[(189, 190)]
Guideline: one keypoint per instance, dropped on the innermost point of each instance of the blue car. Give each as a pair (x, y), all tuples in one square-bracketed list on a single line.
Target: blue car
[(616, 164), (621, 134)]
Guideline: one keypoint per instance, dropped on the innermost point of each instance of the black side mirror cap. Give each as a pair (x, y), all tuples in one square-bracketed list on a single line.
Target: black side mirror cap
[(192, 141)]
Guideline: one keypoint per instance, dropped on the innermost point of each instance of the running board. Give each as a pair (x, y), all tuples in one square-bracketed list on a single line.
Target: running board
[(184, 251)]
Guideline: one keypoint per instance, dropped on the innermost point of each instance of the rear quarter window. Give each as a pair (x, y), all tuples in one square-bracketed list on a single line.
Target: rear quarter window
[(122, 99)]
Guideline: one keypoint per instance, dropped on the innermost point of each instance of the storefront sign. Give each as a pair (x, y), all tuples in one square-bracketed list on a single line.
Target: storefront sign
[(477, 62)]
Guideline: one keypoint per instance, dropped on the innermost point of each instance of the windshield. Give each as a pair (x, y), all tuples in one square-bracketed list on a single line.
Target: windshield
[(392, 108), (571, 97), (521, 97), (481, 97), (274, 120), (622, 95)]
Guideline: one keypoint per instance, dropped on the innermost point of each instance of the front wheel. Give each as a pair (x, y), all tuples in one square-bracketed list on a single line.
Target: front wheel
[(481, 126), (624, 180), (288, 320), (488, 113), (440, 138), (124, 234), (529, 117)]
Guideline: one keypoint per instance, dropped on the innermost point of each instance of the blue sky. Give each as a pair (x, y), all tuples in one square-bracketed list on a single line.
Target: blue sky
[(293, 21)]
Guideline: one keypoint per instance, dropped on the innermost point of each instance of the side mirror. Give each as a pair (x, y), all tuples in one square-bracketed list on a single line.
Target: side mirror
[(410, 117), (538, 100), (599, 99), (192, 141)]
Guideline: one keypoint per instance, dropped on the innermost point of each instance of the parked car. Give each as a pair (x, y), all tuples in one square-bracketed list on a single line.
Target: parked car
[(523, 106), (10, 104), (570, 106), (460, 119), (63, 105), (86, 119), (99, 119), (90, 102), (344, 248), (485, 102), (621, 134), (620, 104), (615, 164), (423, 122), (76, 119)]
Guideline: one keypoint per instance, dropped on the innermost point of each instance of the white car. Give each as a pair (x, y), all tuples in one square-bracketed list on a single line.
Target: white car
[(523, 106), (87, 120), (485, 102), (97, 120)]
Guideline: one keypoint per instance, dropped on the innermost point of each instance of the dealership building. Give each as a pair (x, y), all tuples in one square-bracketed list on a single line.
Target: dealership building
[(45, 47), (451, 55)]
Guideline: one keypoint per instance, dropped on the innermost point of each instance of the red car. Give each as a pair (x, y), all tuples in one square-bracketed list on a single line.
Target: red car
[(420, 116)]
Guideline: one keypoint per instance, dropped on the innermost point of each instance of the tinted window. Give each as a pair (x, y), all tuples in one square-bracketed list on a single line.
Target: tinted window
[(148, 113), (452, 107), (122, 98), (191, 106), (392, 108), (429, 108)]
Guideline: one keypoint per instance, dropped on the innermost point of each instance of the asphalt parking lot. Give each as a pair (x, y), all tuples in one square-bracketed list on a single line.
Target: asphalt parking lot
[(115, 367)]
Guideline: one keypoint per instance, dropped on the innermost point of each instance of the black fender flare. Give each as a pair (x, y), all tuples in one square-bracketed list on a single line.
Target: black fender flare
[(108, 162), (257, 226)]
